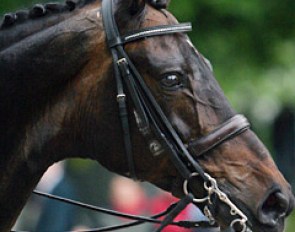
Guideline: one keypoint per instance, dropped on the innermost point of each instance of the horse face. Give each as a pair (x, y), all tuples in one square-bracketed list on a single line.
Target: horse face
[(184, 86)]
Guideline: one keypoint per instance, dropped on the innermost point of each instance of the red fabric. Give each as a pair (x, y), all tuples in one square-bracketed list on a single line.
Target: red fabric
[(136, 209)]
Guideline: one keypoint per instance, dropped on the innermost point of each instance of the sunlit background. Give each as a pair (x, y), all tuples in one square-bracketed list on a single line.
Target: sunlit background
[(251, 45)]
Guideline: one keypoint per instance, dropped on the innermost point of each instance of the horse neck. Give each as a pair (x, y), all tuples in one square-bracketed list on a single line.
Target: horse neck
[(36, 103), (38, 68)]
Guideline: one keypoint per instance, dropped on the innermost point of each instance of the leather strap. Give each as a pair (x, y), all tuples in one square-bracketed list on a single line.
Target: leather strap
[(111, 33), (155, 31), (148, 32), (127, 77), (123, 113), (184, 202), (233, 127)]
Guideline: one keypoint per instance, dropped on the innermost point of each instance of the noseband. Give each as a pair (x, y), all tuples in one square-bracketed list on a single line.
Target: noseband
[(153, 123)]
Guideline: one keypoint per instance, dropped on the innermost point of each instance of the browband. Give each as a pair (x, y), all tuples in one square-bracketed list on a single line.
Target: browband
[(156, 31), (149, 32)]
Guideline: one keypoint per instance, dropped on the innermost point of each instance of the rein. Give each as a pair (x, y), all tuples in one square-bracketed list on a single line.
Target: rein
[(173, 209)]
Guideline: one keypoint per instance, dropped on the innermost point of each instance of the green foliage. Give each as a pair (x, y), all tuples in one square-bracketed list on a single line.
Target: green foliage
[(290, 223)]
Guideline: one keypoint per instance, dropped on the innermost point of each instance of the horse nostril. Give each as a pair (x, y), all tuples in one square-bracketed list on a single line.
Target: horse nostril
[(273, 208)]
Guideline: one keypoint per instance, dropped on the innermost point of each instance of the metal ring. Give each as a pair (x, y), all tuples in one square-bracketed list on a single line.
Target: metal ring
[(185, 189), (242, 223), (121, 96)]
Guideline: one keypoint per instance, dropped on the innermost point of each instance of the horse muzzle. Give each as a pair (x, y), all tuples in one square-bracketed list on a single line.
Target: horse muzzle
[(273, 210)]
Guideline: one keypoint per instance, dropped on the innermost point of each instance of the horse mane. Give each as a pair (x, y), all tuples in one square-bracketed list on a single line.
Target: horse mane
[(20, 24), (41, 10)]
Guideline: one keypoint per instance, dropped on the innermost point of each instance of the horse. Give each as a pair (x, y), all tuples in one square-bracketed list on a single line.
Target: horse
[(59, 100)]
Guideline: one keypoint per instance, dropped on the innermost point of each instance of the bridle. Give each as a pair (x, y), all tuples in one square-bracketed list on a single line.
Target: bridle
[(160, 134), (152, 121)]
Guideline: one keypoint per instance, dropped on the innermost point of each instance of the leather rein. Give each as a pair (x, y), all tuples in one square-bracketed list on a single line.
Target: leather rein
[(157, 129)]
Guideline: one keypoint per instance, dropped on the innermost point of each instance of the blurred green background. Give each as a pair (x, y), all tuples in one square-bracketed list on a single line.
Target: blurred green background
[(251, 45)]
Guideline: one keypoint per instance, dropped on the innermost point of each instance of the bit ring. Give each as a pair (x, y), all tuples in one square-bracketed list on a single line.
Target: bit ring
[(242, 223), (186, 192)]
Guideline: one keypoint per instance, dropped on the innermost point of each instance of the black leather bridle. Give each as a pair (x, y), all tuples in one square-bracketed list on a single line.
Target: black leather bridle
[(148, 112), (152, 121)]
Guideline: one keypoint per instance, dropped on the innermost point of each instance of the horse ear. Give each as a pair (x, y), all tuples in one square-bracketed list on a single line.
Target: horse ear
[(133, 7), (159, 4)]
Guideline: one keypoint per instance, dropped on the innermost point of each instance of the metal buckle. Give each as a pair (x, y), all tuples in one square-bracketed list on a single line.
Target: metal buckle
[(122, 60), (120, 97)]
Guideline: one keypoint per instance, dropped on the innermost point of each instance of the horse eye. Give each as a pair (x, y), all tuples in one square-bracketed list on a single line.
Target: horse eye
[(172, 81)]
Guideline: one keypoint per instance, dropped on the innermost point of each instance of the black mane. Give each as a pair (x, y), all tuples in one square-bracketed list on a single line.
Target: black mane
[(23, 23), (40, 10)]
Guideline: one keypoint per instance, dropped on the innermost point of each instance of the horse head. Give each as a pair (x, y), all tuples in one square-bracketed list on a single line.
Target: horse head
[(182, 82), (56, 63)]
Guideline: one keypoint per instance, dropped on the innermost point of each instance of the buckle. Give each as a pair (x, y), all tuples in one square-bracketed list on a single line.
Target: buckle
[(121, 97), (121, 61)]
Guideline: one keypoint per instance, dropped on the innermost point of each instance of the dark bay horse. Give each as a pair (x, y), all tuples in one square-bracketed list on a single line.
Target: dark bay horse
[(58, 100)]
